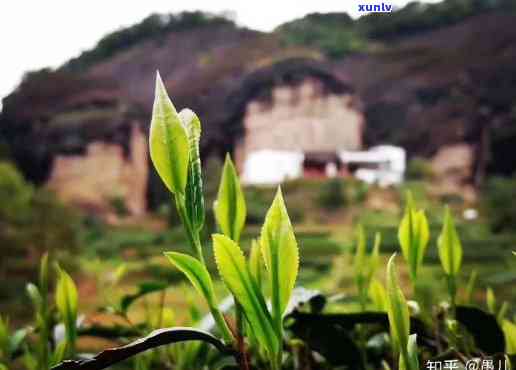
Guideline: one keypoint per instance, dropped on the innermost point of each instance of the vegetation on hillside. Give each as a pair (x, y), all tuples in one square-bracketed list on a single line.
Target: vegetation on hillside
[(338, 35), (416, 17), (153, 27), (335, 34)]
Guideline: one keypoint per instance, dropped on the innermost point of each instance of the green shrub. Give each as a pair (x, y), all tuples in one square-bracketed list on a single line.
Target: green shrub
[(356, 191), (31, 223), (498, 199), (257, 205), (117, 203), (419, 169), (332, 195), (15, 194)]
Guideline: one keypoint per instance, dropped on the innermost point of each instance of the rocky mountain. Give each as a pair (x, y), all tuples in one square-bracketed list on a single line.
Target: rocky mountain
[(97, 96), (450, 80)]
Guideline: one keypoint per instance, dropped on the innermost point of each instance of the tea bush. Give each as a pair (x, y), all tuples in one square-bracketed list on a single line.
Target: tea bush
[(499, 204), (419, 169), (332, 195)]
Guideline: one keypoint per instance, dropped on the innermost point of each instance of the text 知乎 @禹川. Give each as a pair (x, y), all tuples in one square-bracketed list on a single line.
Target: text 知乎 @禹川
[(375, 8)]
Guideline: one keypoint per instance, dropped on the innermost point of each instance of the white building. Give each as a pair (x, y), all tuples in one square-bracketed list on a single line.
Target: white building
[(268, 166), (384, 164)]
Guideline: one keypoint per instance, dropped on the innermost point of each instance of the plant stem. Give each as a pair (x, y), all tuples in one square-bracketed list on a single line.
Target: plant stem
[(452, 290), (191, 233), (243, 360), (221, 324), (275, 360), (195, 243)]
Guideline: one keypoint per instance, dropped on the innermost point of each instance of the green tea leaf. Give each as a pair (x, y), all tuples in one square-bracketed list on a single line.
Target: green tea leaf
[(281, 256), (194, 198), (256, 262), (470, 286), (119, 273), (29, 360), (491, 301), (196, 272), (4, 338), (413, 235), (365, 265), (378, 295), (503, 311), (359, 261), (413, 359), (17, 339), (59, 353), (35, 296), (450, 248), (168, 140), (237, 277), (66, 302), (509, 330), (374, 259), (230, 209), (43, 277), (397, 308)]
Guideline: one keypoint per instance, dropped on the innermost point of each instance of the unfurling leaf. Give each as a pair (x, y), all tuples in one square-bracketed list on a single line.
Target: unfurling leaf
[(397, 309), (194, 198), (450, 248), (413, 235), (66, 302), (230, 208), (168, 140), (237, 277), (279, 250)]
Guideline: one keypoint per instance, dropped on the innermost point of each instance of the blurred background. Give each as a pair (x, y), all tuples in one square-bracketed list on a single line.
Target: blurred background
[(347, 111)]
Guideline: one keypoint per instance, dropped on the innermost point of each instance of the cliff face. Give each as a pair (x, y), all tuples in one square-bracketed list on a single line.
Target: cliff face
[(104, 175), (315, 120)]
